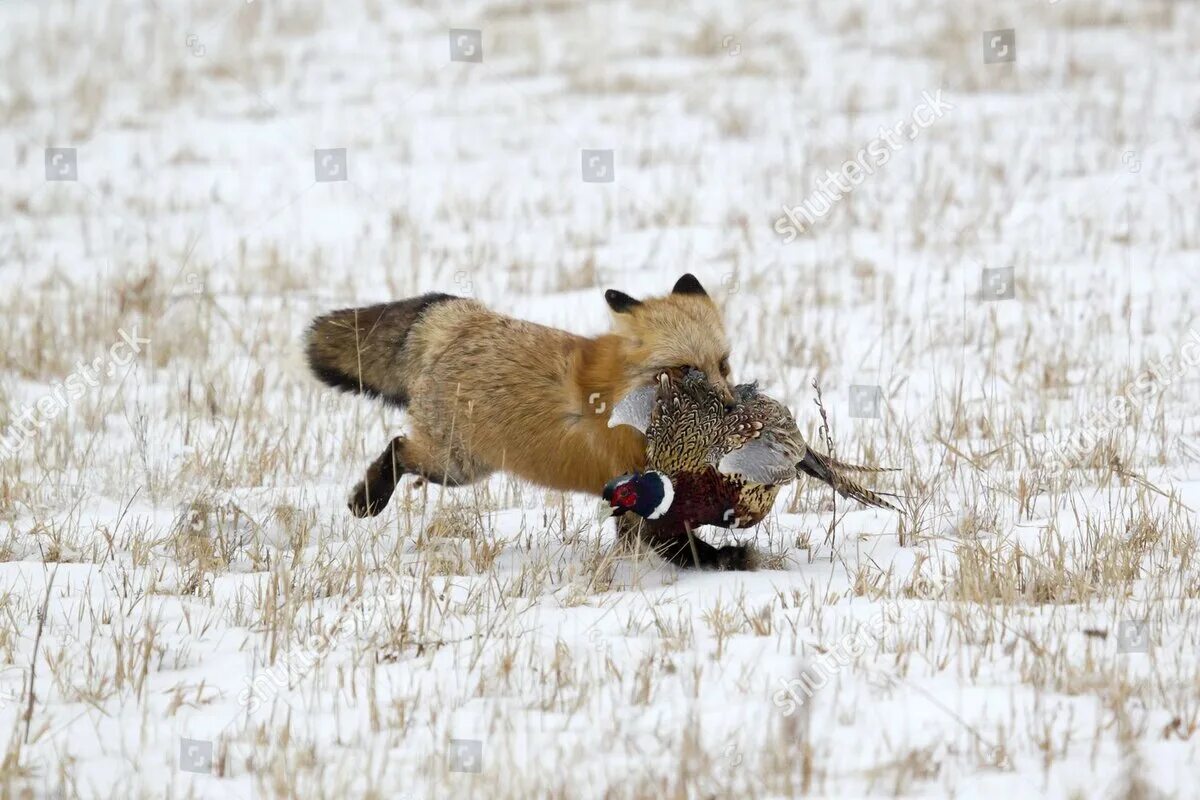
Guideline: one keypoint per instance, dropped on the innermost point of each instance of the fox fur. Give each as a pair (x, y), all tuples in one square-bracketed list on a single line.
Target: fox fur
[(486, 392)]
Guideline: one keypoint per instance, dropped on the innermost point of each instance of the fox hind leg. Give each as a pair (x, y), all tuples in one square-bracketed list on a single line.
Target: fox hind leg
[(373, 492), (406, 455)]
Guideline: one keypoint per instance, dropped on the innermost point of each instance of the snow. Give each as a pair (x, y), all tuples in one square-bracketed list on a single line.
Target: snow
[(216, 623)]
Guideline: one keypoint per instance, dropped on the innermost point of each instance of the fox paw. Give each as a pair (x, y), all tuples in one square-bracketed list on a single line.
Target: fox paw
[(734, 557), (367, 504)]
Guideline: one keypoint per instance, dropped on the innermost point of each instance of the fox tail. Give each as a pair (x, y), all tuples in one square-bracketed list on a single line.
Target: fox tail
[(362, 349)]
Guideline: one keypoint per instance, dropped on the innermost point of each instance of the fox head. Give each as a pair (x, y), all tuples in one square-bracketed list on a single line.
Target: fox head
[(682, 329)]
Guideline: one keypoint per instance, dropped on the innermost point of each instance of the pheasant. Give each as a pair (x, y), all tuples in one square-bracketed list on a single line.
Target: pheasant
[(712, 464)]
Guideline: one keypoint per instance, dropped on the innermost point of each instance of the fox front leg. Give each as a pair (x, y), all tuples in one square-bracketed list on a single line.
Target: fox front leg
[(683, 548)]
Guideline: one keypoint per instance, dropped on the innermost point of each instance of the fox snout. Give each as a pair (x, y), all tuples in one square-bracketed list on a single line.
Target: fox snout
[(721, 386)]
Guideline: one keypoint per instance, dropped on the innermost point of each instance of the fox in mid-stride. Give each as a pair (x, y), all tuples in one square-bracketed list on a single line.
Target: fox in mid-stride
[(486, 392)]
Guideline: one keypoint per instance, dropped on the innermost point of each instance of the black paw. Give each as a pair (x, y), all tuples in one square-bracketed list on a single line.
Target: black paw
[(359, 504), (733, 557), (698, 554)]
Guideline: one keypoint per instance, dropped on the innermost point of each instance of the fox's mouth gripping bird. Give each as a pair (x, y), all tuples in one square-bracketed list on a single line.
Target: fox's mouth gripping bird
[(713, 464), (487, 392)]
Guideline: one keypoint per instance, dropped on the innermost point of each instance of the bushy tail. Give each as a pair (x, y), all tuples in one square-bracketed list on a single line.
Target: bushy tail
[(826, 469), (360, 349)]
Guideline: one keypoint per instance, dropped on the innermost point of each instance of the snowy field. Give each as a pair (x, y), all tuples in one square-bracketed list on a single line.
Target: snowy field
[(1000, 297)]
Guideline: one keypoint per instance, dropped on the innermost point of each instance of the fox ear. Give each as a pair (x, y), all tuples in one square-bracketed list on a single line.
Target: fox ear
[(688, 285), (620, 302)]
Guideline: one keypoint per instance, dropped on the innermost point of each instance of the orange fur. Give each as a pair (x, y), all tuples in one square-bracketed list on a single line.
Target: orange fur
[(487, 392)]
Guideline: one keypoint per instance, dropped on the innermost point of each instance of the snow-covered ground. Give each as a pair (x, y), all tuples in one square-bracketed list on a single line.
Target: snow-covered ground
[(188, 610)]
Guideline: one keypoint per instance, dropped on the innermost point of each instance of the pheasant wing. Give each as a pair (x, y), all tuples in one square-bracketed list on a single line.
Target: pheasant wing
[(634, 409), (687, 418), (760, 442), (759, 461)]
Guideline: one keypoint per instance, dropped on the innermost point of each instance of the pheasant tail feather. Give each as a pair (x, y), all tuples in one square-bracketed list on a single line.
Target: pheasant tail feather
[(825, 469), (845, 466)]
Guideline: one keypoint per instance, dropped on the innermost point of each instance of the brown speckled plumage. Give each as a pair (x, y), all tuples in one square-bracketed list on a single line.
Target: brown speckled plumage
[(727, 464)]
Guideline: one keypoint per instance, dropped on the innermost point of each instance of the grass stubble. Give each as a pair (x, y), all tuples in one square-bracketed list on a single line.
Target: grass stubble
[(180, 561)]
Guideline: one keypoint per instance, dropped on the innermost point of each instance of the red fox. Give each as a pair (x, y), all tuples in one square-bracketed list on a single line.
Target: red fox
[(486, 392)]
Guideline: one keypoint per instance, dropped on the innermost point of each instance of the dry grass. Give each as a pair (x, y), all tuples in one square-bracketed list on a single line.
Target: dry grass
[(209, 584)]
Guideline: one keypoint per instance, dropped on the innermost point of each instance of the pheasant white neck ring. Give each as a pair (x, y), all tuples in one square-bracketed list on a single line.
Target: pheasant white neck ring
[(668, 497)]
